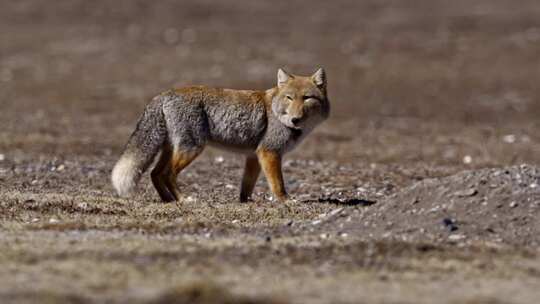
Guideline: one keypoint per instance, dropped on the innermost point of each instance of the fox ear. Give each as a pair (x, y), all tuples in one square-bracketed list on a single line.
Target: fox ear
[(282, 77), (319, 78)]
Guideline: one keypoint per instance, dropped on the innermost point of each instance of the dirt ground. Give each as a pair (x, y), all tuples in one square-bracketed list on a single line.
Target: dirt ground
[(423, 187)]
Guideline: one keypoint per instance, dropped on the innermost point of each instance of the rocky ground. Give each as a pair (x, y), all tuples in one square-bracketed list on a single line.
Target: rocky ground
[(422, 187)]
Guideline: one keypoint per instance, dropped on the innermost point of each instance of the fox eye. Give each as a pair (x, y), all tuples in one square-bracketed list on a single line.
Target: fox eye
[(289, 97)]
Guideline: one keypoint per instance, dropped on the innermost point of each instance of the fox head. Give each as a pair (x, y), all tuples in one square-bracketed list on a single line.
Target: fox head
[(301, 101)]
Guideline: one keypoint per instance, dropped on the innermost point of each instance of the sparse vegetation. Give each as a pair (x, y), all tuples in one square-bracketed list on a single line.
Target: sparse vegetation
[(413, 192)]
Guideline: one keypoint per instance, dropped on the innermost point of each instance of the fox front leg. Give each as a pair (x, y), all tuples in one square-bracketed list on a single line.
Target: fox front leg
[(270, 162)]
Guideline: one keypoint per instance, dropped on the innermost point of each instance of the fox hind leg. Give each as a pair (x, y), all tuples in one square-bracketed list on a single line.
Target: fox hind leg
[(159, 174), (180, 159)]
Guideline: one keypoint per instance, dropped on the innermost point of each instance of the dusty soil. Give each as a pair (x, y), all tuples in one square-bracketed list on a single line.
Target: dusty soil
[(422, 187)]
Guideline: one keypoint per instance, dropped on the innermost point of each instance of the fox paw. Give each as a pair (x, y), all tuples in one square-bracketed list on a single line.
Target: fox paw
[(291, 201), (288, 200)]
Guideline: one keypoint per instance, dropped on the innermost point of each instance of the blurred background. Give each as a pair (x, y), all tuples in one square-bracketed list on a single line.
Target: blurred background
[(419, 89), (448, 83)]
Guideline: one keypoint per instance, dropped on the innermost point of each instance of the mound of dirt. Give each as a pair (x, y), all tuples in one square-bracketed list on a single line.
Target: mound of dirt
[(500, 206)]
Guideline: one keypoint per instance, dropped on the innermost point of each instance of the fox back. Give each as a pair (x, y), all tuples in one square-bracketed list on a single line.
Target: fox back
[(233, 119)]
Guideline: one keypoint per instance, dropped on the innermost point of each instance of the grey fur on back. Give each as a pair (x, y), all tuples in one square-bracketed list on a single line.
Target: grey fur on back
[(195, 118), (238, 120)]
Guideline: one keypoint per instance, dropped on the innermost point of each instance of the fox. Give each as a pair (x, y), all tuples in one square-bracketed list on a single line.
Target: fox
[(261, 125)]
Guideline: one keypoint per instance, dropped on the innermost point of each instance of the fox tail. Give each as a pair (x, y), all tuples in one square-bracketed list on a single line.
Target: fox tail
[(141, 149)]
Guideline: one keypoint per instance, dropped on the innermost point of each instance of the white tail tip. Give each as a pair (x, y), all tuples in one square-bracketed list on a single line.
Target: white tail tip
[(124, 175)]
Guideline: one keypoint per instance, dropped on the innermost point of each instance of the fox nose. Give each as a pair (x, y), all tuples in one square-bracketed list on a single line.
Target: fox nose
[(295, 120)]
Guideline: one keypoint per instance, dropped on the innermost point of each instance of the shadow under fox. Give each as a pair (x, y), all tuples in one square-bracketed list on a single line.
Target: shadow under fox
[(262, 125)]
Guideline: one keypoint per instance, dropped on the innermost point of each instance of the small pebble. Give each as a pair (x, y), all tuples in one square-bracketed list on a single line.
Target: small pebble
[(509, 139), (513, 205), (316, 222), (324, 235), (450, 224), (456, 237), (466, 193), (2, 157), (334, 212)]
